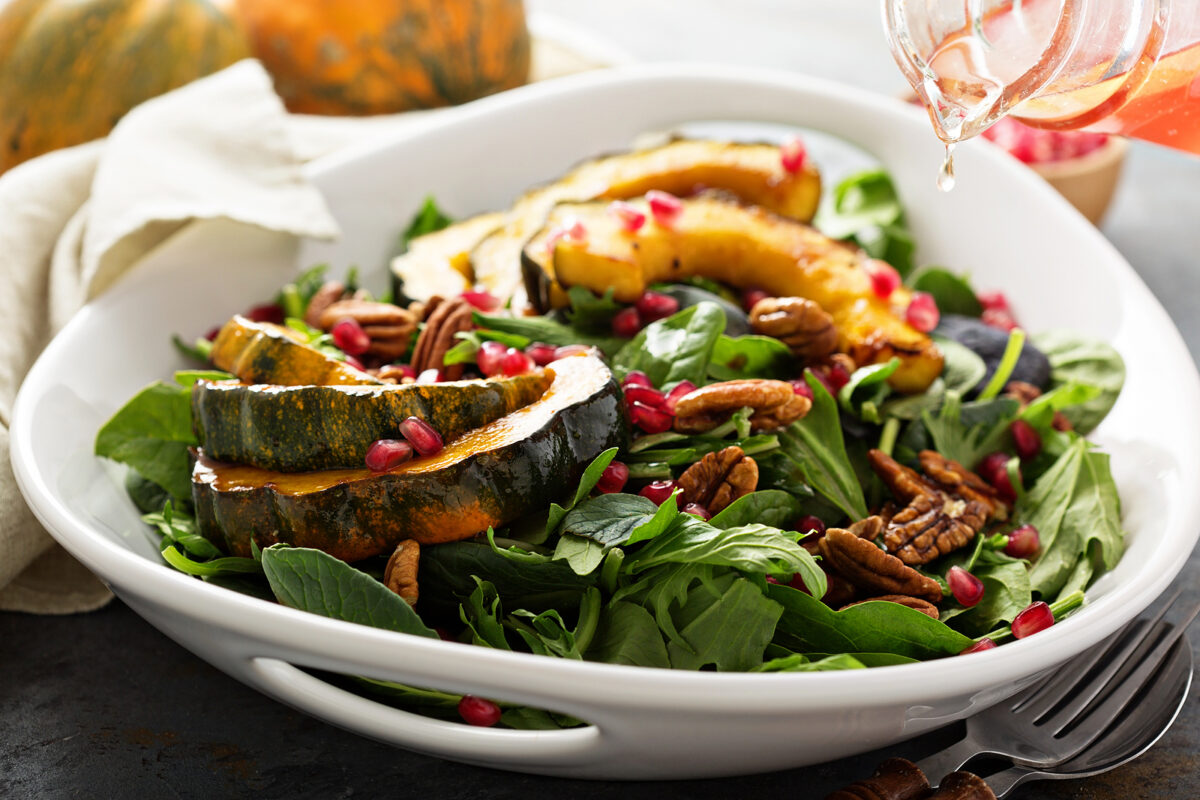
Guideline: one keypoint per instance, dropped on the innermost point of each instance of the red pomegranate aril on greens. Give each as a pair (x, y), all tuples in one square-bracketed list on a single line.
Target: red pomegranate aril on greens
[(649, 419), (212, 333), (490, 358), (822, 376), (421, 435), (652, 306), (681, 390), (515, 363), (994, 300), (636, 378), (801, 387), (1023, 542), (385, 454), (1035, 618), (884, 278), (478, 711), (966, 588), (626, 323), (568, 350), (629, 217), (614, 478), (542, 353), (658, 491), (922, 312), (268, 312), (839, 376), (751, 297), (979, 647), (1026, 440), (809, 524), (645, 395), (793, 154), (1001, 320), (697, 510), (994, 470), (349, 337), (482, 301), (664, 207)]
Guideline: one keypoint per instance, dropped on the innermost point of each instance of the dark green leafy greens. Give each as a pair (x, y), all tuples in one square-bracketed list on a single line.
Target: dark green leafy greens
[(428, 219), (674, 349), (866, 209), (1082, 360)]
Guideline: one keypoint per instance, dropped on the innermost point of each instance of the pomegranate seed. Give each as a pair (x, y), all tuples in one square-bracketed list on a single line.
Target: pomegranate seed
[(637, 378), (646, 396), (658, 491), (212, 333), (922, 312), (477, 711), (421, 435), (430, 375), (839, 376), (541, 353), (697, 510), (994, 299), (793, 154), (482, 301), (1026, 439), (614, 478), (797, 583), (516, 363), (568, 350), (269, 312), (354, 362), (384, 454), (752, 295), (801, 387), (822, 376), (628, 215), (771, 579), (1035, 618), (490, 358), (681, 390), (884, 277), (653, 306), (664, 207), (651, 420), (1023, 542), (627, 323), (979, 647), (349, 336), (809, 524), (966, 588), (998, 319), (994, 470)]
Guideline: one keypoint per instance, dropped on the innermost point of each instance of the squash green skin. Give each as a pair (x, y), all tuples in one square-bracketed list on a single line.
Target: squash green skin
[(488, 477), (303, 428), (260, 352)]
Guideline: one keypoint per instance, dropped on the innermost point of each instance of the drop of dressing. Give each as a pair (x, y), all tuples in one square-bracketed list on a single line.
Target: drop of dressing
[(945, 178)]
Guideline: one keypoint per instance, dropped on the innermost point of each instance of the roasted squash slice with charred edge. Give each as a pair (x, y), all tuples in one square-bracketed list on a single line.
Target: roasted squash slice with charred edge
[(716, 237), (260, 352), (487, 477), (301, 428), (439, 262)]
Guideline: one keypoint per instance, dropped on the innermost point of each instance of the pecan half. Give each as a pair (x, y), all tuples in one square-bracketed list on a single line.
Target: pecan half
[(450, 317), (799, 323), (329, 293), (894, 779), (389, 327), (775, 405), (915, 603), (422, 309), (862, 563), (718, 479), (400, 575)]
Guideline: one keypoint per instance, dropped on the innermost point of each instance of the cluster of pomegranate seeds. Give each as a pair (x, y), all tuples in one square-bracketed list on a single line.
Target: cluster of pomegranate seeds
[(614, 478), (571, 231), (994, 470), (658, 491), (477, 711), (637, 378), (809, 524), (268, 312), (1034, 146), (630, 219), (626, 323), (966, 588), (682, 389), (421, 435), (515, 363), (793, 154), (490, 358), (664, 207), (482, 301), (884, 278), (385, 454), (349, 336), (652, 306), (751, 297), (1023, 542), (431, 375), (650, 419), (650, 409), (1026, 440), (1034, 619), (922, 312), (542, 353), (697, 510), (996, 311), (832, 377), (801, 387), (979, 647)]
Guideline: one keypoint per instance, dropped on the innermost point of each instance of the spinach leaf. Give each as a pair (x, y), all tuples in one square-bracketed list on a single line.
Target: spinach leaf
[(766, 507), (610, 519), (726, 624), (1006, 592), (953, 293), (735, 358), (446, 570), (963, 369), (873, 376), (188, 378), (482, 614), (588, 481), (152, 433), (314, 581), (676, 348), (590, 312), (808, 625), (815, 444), (965, 432), (583, 555), (797, 662), (543, 329), (147, 495), (628, 634), (1078, 359), (866, 208), (913, 406), (428, 219)]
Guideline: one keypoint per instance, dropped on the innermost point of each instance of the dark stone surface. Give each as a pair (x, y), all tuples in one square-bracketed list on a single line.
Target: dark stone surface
[(104, 706)]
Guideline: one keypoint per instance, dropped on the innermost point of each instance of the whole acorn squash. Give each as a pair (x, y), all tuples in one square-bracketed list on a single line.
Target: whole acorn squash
[(363, 57), (69, 69)]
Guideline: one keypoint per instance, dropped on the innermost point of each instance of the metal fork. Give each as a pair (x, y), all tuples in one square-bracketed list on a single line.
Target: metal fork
[(1054, 721)]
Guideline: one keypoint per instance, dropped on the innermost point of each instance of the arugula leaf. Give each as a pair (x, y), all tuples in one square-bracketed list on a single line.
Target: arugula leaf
[(953, 293), (212, 568), (590, 312), (482, 614), (428, 219), (797, 662), (963, 369), (152, 433), (676, 348), (628, 634), (446, 570), (729, 629), (314, 581), (735, 358), (815, 444), (1079, 359), (965, 432), (547, 634), (543, 329), (587, 482), (180, 529), (767, 507), (866, 208)]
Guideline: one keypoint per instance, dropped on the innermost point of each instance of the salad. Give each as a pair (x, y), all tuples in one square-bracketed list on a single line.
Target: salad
[(653, 415)]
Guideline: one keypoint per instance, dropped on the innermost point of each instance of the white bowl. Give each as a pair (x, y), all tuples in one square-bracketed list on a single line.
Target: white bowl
[(1002, 223)]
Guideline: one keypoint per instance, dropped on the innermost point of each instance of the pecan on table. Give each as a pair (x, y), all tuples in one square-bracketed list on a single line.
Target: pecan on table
[(775, 405), (894, 779), (915, 603), (799, 323), (945, 508), (862, 563), (400, 575), (718, 479), (389, 327), (448, 318)]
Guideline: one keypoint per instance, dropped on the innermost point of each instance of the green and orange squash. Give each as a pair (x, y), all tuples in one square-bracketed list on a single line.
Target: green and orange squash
[(262, 352)]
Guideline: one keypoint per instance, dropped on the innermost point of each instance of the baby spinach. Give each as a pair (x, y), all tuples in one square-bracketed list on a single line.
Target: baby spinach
[(872, 381), (1079, 359), (767, 507), (446, 570), (727, 624), (583, 555), (612, 519), (152, 433), (587, 482), (1006, 592), (628, 634), (590, 312), (676, 348), (963, 368), (735, 358), (483, 613), (963, 432), (796, 662), (544, 329), (866, 208), (953, 293), (428, 219)]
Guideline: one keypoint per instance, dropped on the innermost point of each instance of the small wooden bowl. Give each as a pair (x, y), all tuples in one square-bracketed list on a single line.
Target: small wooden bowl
[(1088, 181)]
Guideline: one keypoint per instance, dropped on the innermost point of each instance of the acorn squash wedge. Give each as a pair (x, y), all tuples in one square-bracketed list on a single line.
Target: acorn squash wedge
[(301, 428), (439, 262), (719, 238), (487, 477), (261, 352)]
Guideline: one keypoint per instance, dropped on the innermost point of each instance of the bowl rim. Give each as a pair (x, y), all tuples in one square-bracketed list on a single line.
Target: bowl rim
[(609, 684)]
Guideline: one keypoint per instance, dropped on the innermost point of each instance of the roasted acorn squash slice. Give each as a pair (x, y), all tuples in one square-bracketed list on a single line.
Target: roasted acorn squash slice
[(439, 262), (717, 237), (486, 477), (260, 352)]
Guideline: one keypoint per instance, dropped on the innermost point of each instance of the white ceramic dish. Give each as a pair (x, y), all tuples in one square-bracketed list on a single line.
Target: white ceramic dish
[(1002, 223)]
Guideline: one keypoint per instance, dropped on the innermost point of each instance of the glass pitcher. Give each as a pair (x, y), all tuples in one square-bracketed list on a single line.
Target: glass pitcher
[(1129, 67)]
